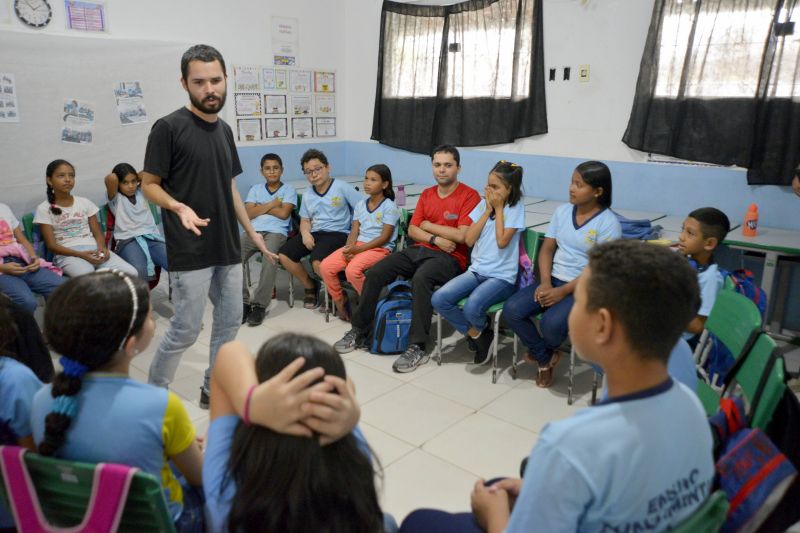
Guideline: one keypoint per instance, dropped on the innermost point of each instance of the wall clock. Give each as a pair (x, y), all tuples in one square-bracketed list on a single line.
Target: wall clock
[(33, 13)]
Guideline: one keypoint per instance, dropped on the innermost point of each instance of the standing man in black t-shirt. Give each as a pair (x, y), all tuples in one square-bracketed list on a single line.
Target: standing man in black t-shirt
[(190, 170)]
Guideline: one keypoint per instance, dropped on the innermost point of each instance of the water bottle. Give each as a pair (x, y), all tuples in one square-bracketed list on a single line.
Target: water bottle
[(400, 197), (750, 224)]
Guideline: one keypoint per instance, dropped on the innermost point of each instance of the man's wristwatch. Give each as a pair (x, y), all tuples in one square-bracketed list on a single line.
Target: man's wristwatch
[(431, 240)]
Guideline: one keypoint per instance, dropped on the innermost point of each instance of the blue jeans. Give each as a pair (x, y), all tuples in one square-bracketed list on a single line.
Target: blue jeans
[(223, 286), (21, 289), (519, 311), (483, 292), (133, 254)]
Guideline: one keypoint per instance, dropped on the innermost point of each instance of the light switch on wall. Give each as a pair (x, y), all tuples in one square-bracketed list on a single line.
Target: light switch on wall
[(583, 73)]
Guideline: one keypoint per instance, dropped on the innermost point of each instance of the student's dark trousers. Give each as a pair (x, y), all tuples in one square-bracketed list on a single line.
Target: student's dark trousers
[(425, 268)]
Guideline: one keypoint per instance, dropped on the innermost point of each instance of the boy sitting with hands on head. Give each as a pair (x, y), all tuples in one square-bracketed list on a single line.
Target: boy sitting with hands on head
[(703, 230)]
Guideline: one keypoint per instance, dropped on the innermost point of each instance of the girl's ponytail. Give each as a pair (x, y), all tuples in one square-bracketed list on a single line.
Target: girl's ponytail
[(66, 386), (51, 199)]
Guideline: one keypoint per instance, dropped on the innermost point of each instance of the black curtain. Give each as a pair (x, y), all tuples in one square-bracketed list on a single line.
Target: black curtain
[(718, 83), (468, 74)]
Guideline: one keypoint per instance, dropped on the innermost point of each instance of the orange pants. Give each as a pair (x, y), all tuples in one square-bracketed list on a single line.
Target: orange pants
[(354, 270)]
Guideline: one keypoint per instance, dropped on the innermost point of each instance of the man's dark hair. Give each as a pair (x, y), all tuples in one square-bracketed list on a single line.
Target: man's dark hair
[(200, 52), (447, 149), (651, 290), (713, 222)]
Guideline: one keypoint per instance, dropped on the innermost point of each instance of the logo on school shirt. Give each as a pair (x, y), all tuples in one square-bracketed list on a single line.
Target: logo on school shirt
[(591, 237), (450, 216), (6, 234), (336, 201), (379, 217)]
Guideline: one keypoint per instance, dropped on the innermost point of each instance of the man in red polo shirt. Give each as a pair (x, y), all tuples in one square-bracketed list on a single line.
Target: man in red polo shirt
[(438, 255)]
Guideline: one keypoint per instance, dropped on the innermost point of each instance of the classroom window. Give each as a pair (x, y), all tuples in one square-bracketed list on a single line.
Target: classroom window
[(719, 83), (467, 74)]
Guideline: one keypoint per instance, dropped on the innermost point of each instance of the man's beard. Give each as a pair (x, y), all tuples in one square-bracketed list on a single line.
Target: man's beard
[(202, 106)]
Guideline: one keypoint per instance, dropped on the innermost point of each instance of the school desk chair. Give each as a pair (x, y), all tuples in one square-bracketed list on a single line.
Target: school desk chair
[(734, 320), (760, 377), (61, 492)]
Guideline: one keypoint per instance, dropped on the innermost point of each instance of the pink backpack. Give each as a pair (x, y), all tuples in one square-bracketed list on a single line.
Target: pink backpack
[(107, 501)]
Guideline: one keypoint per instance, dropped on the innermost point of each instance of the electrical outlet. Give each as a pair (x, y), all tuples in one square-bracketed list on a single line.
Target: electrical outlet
[(566, 73), (583, 73)]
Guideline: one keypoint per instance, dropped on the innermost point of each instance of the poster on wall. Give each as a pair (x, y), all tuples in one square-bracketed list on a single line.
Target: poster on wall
[(85, 15), (9, 112), (326, 127), (249, 129), (302, 128), (285, 41), (130, 102), (275, 104), (78, 122), (247, 104), (301, 105), (268, 79), (324, 82), (246, 79), (300, 81), (281, 79), (276, 128), (326, 104)]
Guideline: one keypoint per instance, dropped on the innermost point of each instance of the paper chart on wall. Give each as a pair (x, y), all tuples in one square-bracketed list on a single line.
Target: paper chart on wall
[(246, 78), (9, 109), (247, 104), (130, 102), (325, 104), (301, 105), (302, 128), (78, 122), (275, 104), (300, 81), (281, 79), (268, 79), (324, 82), (85, 15), (276, 128), (326, 127), (285, 40), (249, 129)]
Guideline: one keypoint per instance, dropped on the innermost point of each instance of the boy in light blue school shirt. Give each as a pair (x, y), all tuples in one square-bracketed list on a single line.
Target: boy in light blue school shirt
[(260, 194), (574, 242), (331, 211), (491, 260), (371, 222)]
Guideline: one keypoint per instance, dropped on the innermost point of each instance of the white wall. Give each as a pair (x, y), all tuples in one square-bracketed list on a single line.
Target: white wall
[(583, 118)]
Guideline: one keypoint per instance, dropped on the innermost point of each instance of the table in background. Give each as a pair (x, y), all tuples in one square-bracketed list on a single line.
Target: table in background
[(631, 214), (546, 207)]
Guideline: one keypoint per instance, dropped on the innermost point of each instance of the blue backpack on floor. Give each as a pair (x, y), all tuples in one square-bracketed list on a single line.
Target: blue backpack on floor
[(392, 320)]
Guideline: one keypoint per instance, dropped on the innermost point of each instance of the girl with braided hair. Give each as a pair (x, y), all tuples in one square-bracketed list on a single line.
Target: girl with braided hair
[(95, 412)]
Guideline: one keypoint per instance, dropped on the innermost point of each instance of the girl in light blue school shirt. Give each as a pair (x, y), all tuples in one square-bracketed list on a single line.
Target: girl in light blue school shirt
[(575, 227), (494, 235)]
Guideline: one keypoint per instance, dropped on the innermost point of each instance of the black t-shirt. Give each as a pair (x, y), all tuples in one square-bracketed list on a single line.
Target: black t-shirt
[(196, 161)]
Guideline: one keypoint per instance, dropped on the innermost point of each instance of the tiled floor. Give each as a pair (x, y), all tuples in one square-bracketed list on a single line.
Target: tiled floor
[(435, 430)]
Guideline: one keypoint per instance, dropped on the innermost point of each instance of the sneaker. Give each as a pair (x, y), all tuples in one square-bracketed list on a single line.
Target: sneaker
[(472, 346), (349, 342), (256, 316), (203, 399), (414, 356), (484, 344), (246, 308)]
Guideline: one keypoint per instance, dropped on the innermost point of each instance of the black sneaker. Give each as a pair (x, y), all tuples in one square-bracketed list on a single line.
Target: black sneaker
[(246, 308), (472, 346), (484, 344), (203, 399), (256, 316), (410, 359)]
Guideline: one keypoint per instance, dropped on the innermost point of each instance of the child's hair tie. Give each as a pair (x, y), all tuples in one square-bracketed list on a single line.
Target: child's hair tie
[(246, 410), (66, 405), (73, 368)]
